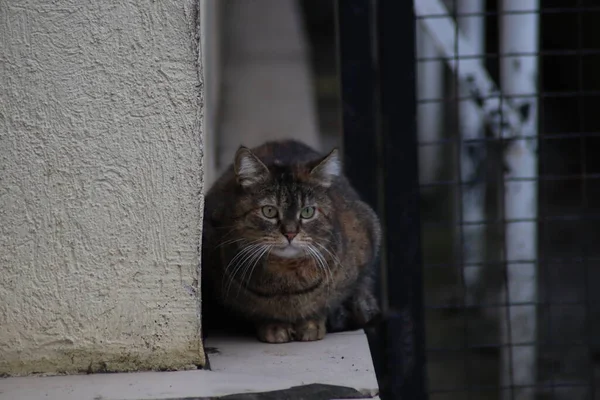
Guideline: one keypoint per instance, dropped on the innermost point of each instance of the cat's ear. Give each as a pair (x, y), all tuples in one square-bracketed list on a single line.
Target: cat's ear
[(329, 168), (249, 170)]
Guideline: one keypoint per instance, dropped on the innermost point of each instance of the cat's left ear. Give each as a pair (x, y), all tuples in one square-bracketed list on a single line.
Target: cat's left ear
[(329, 168)]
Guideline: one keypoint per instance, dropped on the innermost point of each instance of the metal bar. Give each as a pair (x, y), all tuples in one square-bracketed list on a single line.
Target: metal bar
[(380, 144), (356, 62), (357, 78), (404, 326)]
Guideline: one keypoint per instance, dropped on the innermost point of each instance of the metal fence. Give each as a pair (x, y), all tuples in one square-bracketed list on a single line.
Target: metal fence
[(472, 127)]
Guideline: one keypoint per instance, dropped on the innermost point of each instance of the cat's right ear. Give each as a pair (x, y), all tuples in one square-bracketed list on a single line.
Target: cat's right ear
[(328, 169), (249, 170)]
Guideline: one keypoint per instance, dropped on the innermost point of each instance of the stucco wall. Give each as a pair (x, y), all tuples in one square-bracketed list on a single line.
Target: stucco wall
[(100, 185)]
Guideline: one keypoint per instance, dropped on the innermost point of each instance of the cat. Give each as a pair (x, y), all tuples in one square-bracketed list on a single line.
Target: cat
[(288, 246)]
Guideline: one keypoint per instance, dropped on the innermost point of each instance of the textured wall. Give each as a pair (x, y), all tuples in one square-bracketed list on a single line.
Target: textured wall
[(100, 185)]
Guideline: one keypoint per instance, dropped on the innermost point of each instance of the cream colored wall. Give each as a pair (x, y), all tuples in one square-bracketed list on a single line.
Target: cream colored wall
[(267, 80), (100, 185)]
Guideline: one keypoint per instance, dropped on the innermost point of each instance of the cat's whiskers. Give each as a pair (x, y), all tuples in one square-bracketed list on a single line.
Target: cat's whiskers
[(257, 258), (250, 257), (246, 245), (242, 253), (238, 266), (329, 271), (332, 255), (230, 241), (327, 241), (229, 232), (224, 237), (319, 261), (328, 275), (238, 240), (322, 265)]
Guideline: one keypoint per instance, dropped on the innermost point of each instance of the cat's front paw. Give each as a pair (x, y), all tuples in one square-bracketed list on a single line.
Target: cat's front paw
[(310, 330), (275, 332)]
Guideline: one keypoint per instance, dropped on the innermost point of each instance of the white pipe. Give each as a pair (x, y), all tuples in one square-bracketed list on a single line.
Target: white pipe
[(501, 116), (430, 115), (520, 34), (472, 154)]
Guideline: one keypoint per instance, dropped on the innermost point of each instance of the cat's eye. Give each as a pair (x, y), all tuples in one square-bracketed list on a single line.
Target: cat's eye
[(307, 212), (269, 211)]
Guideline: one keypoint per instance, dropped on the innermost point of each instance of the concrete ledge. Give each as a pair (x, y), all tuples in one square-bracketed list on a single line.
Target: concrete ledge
[(239, 366), (340, 359), (84, 360)]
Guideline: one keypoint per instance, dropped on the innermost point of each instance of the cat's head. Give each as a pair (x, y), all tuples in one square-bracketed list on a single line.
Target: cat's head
[(285, 207)]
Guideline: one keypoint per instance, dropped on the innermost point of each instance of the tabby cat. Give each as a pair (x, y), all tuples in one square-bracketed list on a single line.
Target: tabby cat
[(288, 246)]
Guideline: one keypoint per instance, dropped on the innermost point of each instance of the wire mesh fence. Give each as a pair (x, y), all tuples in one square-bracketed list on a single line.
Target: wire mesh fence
[(508, 128), (509, 182)]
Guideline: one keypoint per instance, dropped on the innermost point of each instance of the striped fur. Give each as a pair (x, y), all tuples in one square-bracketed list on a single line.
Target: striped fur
[(321, 280)]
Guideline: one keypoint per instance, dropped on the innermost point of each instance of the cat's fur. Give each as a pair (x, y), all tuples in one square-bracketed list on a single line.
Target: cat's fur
[(321, 280)]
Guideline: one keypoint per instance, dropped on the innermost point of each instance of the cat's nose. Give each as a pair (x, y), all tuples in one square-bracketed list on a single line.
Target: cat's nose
[(290, 236)]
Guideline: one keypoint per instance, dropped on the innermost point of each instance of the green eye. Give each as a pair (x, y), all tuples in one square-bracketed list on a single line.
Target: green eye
[(269, 211), (307, 212)]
